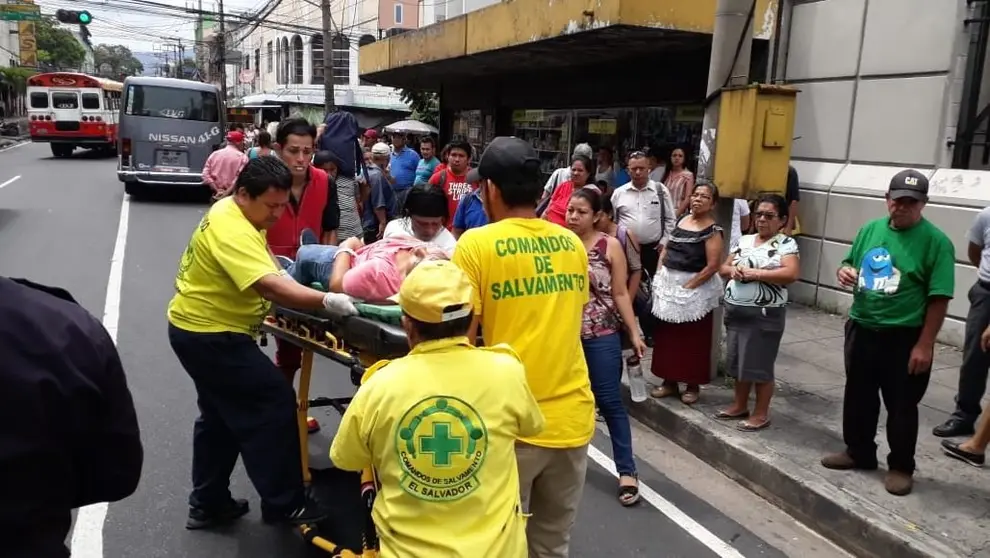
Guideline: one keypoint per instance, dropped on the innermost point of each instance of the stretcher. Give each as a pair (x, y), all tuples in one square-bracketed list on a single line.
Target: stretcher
[(354, 342)]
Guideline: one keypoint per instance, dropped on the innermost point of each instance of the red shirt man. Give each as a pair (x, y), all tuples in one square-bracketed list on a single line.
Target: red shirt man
[(453, 179)]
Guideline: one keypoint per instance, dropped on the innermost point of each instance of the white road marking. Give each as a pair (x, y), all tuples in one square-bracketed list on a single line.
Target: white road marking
[(11, 181), (15, 146), (87, 536), (664, 506)]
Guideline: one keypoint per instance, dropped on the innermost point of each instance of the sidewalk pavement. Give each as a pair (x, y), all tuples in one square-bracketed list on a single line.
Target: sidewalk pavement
[(947, 515)]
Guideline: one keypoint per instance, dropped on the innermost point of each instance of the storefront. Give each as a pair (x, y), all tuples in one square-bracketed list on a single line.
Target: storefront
[(555, 132)]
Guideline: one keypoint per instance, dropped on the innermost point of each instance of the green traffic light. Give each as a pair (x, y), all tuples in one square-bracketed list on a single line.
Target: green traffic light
[(85, 18)]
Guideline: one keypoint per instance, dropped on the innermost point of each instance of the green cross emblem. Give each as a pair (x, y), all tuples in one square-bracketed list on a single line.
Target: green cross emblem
[(441, 445)]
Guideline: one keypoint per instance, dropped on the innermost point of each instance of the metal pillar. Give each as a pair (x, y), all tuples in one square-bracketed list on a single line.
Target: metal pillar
[(732, 42)]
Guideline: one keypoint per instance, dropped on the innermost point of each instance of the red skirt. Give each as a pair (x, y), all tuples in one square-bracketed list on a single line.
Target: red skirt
[(682, 352)]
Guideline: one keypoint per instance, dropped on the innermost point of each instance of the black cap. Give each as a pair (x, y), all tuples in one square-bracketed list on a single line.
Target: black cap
[(908, 184), (507, 160)]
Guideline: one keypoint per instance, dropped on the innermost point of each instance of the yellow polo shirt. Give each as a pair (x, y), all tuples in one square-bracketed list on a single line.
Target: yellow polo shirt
[(530, 281), (213, 287), (440, 426)]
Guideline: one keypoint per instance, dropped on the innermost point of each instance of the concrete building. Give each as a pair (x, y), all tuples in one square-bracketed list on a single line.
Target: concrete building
[(279, 65), (882, 83), (9, 46)]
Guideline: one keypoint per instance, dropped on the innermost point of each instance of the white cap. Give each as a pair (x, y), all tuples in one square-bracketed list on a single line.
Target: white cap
[(381, 149)]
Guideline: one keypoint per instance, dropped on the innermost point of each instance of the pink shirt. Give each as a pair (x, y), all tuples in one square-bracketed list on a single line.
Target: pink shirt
[(374, 275), (223, 166)]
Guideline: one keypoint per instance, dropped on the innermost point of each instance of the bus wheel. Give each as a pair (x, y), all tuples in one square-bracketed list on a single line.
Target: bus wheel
[(62, 149)]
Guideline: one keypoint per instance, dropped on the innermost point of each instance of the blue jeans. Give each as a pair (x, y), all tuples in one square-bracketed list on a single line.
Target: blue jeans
[(314, 264), (604, 357)]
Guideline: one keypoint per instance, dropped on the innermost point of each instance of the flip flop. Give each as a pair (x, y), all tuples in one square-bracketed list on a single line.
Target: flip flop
[(746, 426), (722, 415)]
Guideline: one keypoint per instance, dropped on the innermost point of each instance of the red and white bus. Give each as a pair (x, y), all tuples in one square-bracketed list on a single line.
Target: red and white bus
[(69, 110)]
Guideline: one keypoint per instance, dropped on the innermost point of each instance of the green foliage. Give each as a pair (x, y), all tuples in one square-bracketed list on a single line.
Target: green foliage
[(16, 77), (57, 47), (120, 59), (425, 106)]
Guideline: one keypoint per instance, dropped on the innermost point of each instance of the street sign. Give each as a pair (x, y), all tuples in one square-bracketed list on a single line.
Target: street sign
[(19, 12)]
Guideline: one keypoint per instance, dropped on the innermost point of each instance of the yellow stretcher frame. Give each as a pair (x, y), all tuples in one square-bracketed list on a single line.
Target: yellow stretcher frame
[(304, 337)]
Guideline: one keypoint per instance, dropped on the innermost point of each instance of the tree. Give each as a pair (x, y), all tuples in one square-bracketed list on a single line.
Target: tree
[(57, 47), (425, 106), (119, 59)]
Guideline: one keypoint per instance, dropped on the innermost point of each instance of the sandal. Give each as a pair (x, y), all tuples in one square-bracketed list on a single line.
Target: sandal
[(746, 426), (725, 415), (690, 397), (629, 493), (663, 391)]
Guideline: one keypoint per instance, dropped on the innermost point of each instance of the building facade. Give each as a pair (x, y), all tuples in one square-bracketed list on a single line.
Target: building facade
[(278, 67)]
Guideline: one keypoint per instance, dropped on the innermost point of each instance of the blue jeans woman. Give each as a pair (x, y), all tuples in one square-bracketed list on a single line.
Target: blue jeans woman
[(608, 311)]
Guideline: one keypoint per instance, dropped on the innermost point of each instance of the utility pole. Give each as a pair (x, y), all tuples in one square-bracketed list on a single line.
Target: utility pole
[(732, 44), (223, 55), (181, 61), (328, 103)]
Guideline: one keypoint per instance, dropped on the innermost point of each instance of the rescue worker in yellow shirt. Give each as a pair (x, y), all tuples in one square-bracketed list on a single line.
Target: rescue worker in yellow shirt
[(225, 286), (440, 427)]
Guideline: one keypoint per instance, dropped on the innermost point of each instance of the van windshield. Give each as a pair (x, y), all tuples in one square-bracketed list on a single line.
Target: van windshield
[(173, 103)]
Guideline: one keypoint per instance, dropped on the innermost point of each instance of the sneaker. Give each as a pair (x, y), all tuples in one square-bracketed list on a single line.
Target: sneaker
[(842, 461), (309, 512), (307, 236), (200, 518), (898, 483), (285, 262), (312, 425)]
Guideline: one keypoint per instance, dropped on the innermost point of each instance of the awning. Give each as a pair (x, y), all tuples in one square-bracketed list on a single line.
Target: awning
[(536, 35), (366, 98)]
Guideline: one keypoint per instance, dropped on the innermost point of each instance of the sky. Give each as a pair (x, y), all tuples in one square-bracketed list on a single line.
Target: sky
[(116, 24)]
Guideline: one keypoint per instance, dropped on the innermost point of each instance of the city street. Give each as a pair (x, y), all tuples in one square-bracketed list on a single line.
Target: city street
[(66, 222)]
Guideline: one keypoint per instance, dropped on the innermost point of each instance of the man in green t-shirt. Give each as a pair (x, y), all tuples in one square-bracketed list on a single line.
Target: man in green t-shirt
[(901, 270)]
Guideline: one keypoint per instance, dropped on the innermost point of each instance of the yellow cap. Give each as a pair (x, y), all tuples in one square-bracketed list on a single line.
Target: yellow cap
[(435, 292)]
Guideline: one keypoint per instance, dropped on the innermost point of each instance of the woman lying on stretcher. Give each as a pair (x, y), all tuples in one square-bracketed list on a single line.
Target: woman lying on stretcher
[(371, 273)]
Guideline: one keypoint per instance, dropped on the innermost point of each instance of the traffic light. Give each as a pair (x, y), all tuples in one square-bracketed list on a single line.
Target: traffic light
[(74, 17)]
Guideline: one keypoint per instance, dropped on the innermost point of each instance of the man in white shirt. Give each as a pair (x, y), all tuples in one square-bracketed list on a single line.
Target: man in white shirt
[(740, 221), (645, 208), (424, 217)]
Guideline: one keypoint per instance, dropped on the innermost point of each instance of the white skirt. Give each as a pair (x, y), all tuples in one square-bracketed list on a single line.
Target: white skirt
[(673, 303)]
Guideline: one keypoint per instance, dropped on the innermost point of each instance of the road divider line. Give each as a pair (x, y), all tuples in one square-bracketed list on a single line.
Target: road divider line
[(9, 182), (87, 535), (673, 513)]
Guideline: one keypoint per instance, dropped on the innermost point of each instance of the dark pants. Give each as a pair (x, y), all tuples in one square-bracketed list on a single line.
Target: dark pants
[(604, 357), (246, 408), (973, 372), (650, 257), (877, 365)]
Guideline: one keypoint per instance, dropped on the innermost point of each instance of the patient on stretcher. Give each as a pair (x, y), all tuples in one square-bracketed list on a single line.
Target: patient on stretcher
[(371, 273)]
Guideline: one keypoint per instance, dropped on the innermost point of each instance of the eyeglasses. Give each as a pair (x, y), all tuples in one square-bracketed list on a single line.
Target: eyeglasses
[(766, 215)]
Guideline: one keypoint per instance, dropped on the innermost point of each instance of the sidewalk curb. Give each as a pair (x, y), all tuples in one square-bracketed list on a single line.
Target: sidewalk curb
[(18, 141), (855, 524)]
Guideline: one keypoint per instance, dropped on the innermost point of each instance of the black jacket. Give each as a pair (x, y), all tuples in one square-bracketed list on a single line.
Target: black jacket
[(68, 431)]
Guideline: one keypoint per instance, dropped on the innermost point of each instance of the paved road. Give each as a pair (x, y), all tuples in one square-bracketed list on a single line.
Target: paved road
[(59, 224)]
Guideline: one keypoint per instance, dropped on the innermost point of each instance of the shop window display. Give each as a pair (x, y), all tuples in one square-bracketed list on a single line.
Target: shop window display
[(549, 132)]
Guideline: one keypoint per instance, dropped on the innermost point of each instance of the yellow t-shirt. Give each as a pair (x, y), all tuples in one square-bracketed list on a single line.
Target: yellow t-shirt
[(224, 258), (439, 426), (530, 281)]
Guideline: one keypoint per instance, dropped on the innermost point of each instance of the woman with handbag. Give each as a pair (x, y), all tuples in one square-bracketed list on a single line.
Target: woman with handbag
[(608, 311)]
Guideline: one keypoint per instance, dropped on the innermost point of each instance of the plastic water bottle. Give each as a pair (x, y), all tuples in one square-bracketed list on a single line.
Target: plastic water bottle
[(637, 385)]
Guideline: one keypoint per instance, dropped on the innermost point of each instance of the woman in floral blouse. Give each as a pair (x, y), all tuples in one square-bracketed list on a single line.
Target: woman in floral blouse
[(759, 268)]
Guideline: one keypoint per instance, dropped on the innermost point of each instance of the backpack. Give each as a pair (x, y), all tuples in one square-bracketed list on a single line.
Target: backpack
[(340, 135)]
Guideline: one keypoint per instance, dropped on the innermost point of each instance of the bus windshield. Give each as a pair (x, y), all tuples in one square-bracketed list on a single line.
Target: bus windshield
[(172, 103)]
